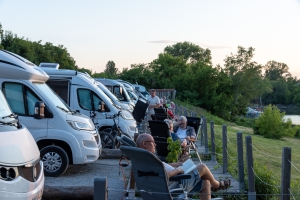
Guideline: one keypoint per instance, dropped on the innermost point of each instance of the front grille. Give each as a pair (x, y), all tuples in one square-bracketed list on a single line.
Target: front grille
[(31, 173)]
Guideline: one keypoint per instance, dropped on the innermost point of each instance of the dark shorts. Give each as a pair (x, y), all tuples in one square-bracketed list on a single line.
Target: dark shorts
[(194, 184)]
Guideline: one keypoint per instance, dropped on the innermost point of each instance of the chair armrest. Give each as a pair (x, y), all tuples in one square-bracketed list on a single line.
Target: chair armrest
[(180, 177)]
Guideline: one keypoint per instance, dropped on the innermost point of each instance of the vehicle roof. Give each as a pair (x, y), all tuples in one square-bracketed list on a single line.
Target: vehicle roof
[(13, 66)]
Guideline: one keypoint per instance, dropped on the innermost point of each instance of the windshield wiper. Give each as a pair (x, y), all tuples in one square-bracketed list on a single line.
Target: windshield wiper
[(67, 111), (15, 123), (12, 115)]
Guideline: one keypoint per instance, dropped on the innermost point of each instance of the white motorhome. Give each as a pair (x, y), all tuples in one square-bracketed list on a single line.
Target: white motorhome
[(82, 93), (115, 100), (63, 136), (21, 174), (117, 89)]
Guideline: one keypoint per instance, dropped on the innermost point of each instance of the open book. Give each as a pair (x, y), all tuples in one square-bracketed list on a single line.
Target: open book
[(188, 166)]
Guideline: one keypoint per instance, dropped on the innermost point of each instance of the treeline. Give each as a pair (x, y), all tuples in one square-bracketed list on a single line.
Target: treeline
[(225, 91)]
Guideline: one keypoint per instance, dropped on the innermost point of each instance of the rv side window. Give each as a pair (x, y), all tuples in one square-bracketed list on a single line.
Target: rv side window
[(20, 98), (84, 99), (88, 100)]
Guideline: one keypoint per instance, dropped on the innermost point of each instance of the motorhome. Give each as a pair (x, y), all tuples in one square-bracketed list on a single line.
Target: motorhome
[(82, 93), (63, 136), (114, 99), (142, 90), (22, 175), (117, 89)]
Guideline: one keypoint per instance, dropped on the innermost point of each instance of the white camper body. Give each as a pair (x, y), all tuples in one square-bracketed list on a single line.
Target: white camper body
[(82, 93), (22, 175), (113, 98), (64, 137), (117, 89)]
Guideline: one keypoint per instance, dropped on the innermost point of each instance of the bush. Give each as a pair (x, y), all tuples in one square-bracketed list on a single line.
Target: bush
[(270, 124), (265, 184)]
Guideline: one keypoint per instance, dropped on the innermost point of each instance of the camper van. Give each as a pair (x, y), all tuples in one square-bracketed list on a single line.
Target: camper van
[(63, 136), (82, 93), (113, 98), (117, 89), (22, 175)]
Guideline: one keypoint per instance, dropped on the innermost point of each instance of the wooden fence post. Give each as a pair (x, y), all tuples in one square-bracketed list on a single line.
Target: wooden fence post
[(285, 173), (251, 180), (205, 135), (100, 189), (213, 145), (224, 147), (241, 174)]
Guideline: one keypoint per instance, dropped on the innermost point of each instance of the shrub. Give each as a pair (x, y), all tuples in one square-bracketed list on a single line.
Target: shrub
[(270, 124), (174, 148)]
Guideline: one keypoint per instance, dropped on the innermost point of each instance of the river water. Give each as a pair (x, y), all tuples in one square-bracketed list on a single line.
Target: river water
[(295, 119)]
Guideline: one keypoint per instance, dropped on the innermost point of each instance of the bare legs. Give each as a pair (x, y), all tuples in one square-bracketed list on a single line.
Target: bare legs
[(208, 181)]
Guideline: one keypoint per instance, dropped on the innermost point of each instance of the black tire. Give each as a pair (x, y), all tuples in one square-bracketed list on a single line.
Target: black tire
[(55, 160), (107, 130), (107, 140)]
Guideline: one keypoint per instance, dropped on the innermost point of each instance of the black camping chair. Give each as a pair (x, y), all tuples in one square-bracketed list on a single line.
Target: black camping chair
[(195, 122), (150, 176), (126, 141), (160, 132), (160, 114), (140, 110)]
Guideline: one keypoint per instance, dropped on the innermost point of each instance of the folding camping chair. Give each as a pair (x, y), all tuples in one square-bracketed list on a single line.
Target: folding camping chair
[(150, 176), (194, 122), (160, 132), (160, 114)]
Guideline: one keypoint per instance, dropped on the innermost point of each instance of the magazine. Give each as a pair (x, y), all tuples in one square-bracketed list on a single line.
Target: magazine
[(188, 166)]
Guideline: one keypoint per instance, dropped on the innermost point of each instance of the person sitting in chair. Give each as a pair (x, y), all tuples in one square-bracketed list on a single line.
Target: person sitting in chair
[(201, 179), (183, 130)]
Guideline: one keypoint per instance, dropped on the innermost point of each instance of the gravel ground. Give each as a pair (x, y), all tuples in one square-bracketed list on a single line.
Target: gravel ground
[(83, 175)]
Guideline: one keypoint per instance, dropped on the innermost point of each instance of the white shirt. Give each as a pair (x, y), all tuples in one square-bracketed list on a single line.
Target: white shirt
[(168, 167), (153, 101), (181, 133)]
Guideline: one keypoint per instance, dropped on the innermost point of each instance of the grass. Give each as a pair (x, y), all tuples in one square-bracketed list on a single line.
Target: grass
[(266, 152)]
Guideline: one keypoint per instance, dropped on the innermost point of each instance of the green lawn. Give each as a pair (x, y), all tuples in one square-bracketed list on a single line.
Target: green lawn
[(266, 152)]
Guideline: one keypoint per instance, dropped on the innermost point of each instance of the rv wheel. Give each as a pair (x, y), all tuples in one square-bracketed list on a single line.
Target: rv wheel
[(55, 160)]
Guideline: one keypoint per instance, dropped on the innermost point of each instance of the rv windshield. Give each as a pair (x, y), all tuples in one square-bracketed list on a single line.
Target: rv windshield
[(4, 109), (53, 96), (121, 93)]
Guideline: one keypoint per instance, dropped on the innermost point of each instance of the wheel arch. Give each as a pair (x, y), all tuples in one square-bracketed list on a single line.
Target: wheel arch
[(43, 143)]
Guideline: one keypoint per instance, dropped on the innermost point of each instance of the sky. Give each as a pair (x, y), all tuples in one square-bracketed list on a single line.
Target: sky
[(137, 31)]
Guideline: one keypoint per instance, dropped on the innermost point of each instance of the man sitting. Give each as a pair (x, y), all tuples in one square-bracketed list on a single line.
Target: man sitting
[(183, 130), (202, 179)]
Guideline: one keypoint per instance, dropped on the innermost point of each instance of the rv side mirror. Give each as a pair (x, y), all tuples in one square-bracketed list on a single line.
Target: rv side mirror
[(101, 106), (39, 110)]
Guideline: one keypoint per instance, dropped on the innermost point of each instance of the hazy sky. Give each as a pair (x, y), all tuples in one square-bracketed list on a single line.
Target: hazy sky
[(136, 31)]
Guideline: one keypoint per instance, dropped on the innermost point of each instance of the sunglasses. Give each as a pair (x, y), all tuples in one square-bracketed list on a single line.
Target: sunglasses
[(150, 141)]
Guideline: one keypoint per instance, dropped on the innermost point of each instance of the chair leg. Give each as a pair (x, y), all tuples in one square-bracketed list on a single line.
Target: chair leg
[(196, 151)]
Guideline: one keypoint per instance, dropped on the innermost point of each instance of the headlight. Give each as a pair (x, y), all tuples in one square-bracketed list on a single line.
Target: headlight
[(8, 173), (79, 125), (126, 115)]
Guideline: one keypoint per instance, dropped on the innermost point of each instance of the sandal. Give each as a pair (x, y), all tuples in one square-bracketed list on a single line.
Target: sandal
[(223, 185)]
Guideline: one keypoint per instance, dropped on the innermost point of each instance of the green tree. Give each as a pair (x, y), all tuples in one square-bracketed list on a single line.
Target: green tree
[(189, 52), (271, 124), (276, 70), (247, 82), (111, 69)]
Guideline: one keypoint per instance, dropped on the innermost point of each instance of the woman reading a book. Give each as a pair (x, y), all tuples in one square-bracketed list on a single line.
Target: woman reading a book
[(202, 180)]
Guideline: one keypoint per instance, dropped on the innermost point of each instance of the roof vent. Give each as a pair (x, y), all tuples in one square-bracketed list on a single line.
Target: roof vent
[(49, 65)]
